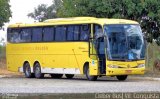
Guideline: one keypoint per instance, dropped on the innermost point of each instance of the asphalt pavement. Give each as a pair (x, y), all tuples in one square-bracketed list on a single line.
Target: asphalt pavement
[(78, 85)]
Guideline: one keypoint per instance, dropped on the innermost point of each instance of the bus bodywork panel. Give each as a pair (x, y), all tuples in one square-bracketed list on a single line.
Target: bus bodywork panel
[(94, 67), (125, 68), (58, 55)]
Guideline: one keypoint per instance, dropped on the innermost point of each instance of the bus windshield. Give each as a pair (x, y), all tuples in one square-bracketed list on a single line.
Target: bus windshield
[(124, 42)]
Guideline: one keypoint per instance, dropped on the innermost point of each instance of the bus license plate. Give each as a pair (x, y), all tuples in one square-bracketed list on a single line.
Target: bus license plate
[(128, 71)]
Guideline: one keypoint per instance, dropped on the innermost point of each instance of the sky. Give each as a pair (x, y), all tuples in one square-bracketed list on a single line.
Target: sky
[(20, 9)]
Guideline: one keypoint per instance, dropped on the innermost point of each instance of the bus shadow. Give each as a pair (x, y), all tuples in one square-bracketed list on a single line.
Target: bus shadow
[(104, 79), (84, 79)]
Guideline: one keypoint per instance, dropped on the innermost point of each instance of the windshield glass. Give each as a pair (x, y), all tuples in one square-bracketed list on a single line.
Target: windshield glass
[(125, 42)]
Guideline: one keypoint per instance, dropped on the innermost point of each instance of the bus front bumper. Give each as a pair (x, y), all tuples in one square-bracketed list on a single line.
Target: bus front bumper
[(125, 71)]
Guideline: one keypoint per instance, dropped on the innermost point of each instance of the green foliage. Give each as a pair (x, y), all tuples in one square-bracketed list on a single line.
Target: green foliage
[(98, 8), (146, 12), (43, 12), (2, 51), (5, 12)]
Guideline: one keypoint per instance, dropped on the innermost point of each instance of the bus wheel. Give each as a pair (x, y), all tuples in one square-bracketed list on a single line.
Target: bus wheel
[(89, 77), (122, 77), (27, 71), (56, 75), (37, 71), (69, 76)]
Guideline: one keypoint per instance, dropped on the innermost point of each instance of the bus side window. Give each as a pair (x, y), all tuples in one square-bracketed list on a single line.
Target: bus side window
[(14, 35), (76, 32), (26, 35), (85, 31), (9, 34), (48, 34), (70, 33), (97, 31), (99, 40), (60, 33), (37, 35)]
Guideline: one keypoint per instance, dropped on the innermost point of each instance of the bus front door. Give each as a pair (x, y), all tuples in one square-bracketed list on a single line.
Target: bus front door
[(97, 52), (101, 54)]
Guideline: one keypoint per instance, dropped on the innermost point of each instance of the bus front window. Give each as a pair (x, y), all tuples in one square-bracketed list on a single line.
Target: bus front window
[(125, 42)]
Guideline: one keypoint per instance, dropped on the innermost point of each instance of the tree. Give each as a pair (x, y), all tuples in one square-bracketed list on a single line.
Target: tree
[(146, 12), (5, 12), (40, 13), (43, 12)]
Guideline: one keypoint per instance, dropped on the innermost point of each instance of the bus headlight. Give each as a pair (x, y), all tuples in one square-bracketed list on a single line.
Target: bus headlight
[(113, 66), (141, 65)]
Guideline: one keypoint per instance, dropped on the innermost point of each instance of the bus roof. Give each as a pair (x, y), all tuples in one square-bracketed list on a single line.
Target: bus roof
[(74, 20)]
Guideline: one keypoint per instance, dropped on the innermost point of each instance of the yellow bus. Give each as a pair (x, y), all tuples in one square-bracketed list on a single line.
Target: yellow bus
[(80, 45)]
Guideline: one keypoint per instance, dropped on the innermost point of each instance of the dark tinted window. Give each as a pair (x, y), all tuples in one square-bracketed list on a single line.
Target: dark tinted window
[(13, 35), (76, 32), (97, 31), (60, 33), (26, 35), (48, 34), (70, 33), (85, 31), (73, 33), (37, 34)]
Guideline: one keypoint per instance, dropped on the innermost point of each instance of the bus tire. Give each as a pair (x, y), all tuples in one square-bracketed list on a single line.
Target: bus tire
[(122, 77), (89, 77), (69, 76), (37, 71), (56, 75), (27, 71)]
